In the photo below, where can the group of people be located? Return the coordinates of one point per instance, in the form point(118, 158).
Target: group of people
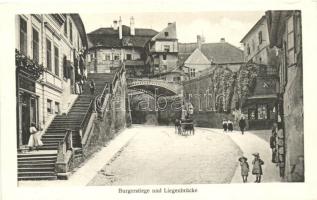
point(227, 125)
point(256, 170)
point(277, 146)
point(79, 86)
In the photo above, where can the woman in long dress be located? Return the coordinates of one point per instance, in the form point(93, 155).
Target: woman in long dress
point(35, 138)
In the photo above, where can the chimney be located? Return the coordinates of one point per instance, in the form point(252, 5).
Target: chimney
point(115, 25)
point(222, 40)
point(132, 29)
point(120, 28)
point(199, 41)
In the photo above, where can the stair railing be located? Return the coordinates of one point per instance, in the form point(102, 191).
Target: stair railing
point(64, 154)
point(84, 123)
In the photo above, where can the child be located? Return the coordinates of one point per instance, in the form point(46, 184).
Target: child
point(244, 168)
point(224, 125)
point(257, 167)
point(230, 125)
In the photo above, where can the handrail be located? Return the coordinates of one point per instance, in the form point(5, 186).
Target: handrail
point(85, 121)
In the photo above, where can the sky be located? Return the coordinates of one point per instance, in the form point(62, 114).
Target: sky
point(231, 25)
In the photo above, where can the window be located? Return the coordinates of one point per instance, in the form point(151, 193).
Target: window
point(192, 72)
point(65, 71)
point(164, 56)
point(23, 36)
point(57, 108)
point(164, 67)
point(49, 106)
point(65, 28)
point(116, 57)
point(248, 49)
point(129, 57)
point(166, 34)
point(35, 44)
point(251, 114)
point(176, 79)
point(260, 37)
point(48, 55)
point(56, 60)
point(71, 32)
point(166, 48)
point(107, 56)
point(262, 111)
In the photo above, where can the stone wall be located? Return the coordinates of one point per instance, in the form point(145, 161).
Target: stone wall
point(293, 123)
point(116, 117)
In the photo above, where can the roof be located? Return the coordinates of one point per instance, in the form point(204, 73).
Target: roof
point(108, 37)
point(81, 28)
point(253, 28)
point(218, 53)
point(171, 33)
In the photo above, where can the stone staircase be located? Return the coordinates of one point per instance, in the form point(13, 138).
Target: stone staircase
point(40, 165)
point(36, 166)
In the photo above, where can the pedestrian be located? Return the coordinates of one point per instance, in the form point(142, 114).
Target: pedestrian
point(280, 145)
point(244, 168)
point(257, 167)
point(242, 125)
point(35, 138)
point(92, 87)
point(230, 125)
point(224, 125)
point(273, 144)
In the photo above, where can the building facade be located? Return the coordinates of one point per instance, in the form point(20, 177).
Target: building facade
point(49, 60)
point(286, 35)
point(198, 58)
point(162, 51)
point(110, 47)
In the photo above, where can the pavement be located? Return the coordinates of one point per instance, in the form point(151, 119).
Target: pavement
point(157, 155)
point(250, 143)
point(133, 157)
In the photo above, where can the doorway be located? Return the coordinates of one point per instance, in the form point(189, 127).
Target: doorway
point(28, 115)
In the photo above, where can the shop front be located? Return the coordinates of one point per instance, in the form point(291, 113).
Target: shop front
point(261, 111)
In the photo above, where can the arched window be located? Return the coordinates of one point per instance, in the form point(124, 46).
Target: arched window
point(219, 104)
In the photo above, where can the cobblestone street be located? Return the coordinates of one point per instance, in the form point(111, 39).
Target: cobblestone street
point(156, 155)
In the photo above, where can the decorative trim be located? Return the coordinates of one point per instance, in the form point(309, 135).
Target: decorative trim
point(37, 17)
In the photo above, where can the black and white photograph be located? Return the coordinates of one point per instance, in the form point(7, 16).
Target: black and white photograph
point(133, 99)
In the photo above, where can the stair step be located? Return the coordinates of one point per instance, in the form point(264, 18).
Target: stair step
point(36, 158)
point(24, 174)
point(37, 178)
point(36, 165)
point(42, 169)
point(35, 155)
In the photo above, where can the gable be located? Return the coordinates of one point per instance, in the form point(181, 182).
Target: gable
point(171, 33)
point(197, 57)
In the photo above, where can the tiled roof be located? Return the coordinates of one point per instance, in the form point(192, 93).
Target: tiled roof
point(108, 37)
point(218, 53)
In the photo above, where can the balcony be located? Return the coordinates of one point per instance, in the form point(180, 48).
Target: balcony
point(134, 63)
point(27, 66)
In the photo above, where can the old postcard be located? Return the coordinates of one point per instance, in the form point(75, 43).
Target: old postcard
point(184, 103)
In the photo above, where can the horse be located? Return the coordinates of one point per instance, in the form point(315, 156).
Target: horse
point(188, 127)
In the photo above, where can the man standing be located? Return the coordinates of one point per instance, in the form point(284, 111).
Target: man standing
point(242, 125)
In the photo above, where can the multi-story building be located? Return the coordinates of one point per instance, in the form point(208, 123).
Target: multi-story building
point(198, 58)
point(162, 51)
point(261, 103)
point(49, 59)
point(256, 43)
point(286, 35)
point(111, 46)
